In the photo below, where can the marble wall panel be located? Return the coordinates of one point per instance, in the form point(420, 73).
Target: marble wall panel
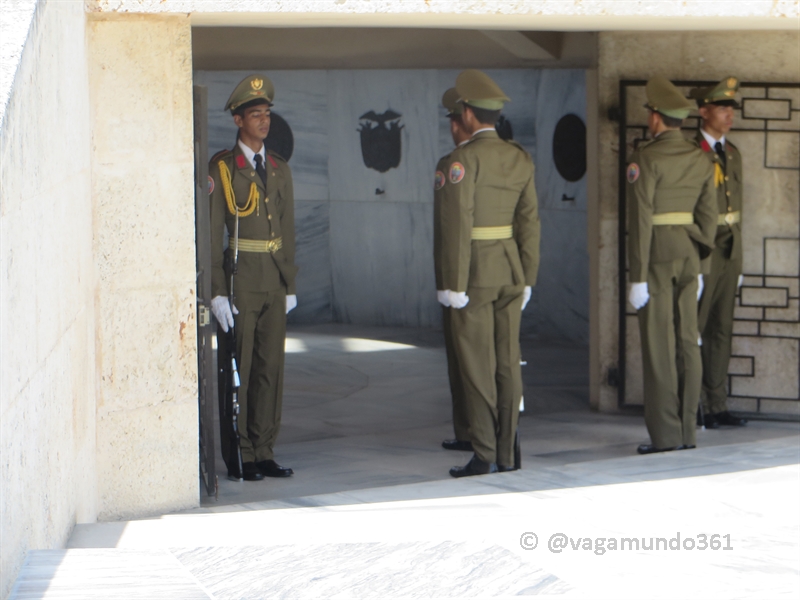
point(783, 150)
point(382, 264)
point(314, 284)
point(559, 307)
point(411, 93)
point(301, 99)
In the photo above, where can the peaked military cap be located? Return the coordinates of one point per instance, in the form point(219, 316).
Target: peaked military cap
point(721, 94)
point(254, 87)
point(451, 103)
point(665, 98)
point(476, 88)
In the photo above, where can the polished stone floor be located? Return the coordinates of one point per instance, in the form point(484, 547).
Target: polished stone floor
point(372, 513)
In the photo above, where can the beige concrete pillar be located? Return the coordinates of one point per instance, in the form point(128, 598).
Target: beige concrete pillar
point(140, 70)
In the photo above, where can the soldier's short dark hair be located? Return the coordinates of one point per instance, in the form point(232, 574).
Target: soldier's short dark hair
point(671, 122)
point(239, 110)
point(485, 116)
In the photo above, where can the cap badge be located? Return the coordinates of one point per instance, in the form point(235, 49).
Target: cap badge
point(731, 82)
point(633, 172)
point(456, 172)
point(257, 84)
point(439, 181)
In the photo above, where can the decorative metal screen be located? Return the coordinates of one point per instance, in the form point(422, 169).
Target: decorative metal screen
point(764, 373)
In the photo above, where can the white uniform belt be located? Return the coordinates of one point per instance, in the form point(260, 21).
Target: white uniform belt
point(502, 232)
point(673, 218)
point(730, 218)
point(268, 246)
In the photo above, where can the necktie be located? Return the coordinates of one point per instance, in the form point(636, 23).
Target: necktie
point(262, 172)
point(718, 148)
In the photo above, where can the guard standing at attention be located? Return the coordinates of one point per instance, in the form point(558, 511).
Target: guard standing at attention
point(486, 260)
point(460, 421)
point(256, 183)
point(724, 278)
point(672, 220)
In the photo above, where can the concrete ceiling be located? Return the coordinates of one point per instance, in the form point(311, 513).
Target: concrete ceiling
point(223, 48)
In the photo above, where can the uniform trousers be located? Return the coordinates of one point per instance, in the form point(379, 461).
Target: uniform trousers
point(671, 359)
point(460, 421)
point(715, 319)
point(486, 338)
point(260, 344)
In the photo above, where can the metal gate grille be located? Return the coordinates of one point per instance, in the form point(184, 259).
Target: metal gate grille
point(764, 373)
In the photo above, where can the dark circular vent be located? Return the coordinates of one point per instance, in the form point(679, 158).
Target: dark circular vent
point(280, 138)
point(569, 147)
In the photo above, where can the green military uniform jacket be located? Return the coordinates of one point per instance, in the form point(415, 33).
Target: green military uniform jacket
point(271, 219)
point(669, 175)
point(478, 185)
point(729, 184)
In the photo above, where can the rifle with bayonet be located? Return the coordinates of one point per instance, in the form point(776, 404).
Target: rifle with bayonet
point(229, 388)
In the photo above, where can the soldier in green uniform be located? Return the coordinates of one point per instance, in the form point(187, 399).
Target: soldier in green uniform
point(716, 105)
point(460, 421)
point(256, 183)
point(672, 220)
point(486, 260)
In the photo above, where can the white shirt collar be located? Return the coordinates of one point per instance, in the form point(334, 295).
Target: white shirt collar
point(462, 143)
point(483, 129)
point(251, 156)
point(711, 140)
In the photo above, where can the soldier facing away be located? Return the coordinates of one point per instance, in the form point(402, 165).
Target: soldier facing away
point(253, 186)
point(672, 220)
point(460, 420)
point(724, 278)
point(486, 258)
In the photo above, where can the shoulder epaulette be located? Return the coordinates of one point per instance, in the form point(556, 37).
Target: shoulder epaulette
point(222, 154)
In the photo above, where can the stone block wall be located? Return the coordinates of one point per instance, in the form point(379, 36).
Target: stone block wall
point(47, 351)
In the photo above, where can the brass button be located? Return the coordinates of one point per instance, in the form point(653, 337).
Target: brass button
point(252, 173)
point(726, 178)
point(266, 199)
point(273, 173)
point(269, 217)
point(728, 193)
point(273, 234)
point(729, 209)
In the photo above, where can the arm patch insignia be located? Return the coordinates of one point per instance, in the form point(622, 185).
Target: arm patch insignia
point(210, 185)
point(439, 181)
point(633, 172)
point(457, 172)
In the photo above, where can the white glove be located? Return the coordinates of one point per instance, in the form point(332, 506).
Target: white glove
point(699, 286)
point(291, 302)
point(222, 310)
point(639, 295)
point(443, 297)
point(526, 296)
point(458, 299)
point(740, 282)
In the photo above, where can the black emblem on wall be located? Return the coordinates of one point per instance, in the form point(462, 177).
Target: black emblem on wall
point(504, 130)
point(280, 138)
point(569, 147)
point(380, 140)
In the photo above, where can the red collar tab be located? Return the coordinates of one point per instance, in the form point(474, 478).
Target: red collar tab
point(704, 145)
point(241, 161)
point(272, 161)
